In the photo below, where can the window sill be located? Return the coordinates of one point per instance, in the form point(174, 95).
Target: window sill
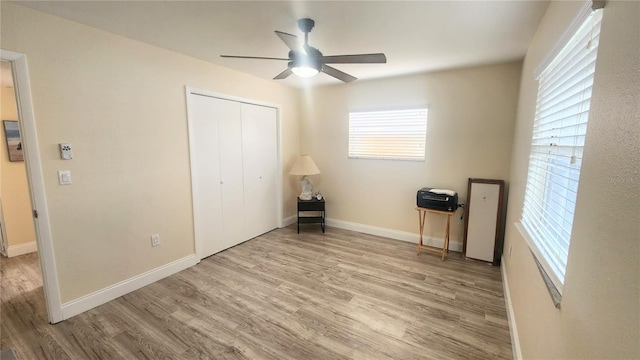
point(556, 296)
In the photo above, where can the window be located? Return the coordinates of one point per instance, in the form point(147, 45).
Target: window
point(396, 134)
point(559, 129)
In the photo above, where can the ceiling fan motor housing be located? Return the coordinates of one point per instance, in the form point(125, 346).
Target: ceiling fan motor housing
point(312, 58)
point(306, 25)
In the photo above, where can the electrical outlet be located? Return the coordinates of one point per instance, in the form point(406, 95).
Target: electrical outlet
point(155, 240)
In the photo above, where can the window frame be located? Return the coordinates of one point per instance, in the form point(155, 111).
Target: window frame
point(373, 135)
point(544, 175)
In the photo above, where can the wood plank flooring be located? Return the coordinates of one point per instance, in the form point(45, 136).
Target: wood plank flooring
point(338, 295)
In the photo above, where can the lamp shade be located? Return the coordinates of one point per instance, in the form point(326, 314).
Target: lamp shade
point(304, 166)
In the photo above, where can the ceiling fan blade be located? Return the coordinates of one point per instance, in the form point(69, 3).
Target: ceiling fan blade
point(252, 57)
point(338, 74)
point(291, 41)
point(378, 58)
point(283, 75)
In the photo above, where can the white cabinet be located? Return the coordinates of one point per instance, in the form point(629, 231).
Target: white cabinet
point(234, 171)
point(483, 236)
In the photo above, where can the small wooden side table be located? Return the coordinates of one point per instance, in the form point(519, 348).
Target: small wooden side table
point(422, 214)
point(311, 205)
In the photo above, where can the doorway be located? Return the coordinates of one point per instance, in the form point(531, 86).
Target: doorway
point(18, 230)
point(35, 181)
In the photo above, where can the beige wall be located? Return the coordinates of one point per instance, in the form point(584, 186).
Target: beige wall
point(470, 126)
point(599, 316)
point(14, 189)
point(121, 104)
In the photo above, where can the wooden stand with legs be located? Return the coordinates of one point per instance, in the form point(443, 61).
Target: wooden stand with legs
point(422, 214)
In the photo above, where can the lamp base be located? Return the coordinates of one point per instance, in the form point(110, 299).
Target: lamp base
point(307, 188)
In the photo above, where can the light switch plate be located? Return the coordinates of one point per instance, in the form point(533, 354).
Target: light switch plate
point(65, 151)
point(64, 177)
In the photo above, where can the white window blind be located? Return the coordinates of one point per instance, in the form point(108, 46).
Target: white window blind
point(396, 134)
point(559, 129)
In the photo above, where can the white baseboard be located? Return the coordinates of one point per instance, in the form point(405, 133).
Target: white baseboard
point(109, 293)
point(21, 249)
point(513, 330)
point(393, 234)
point(290, 220)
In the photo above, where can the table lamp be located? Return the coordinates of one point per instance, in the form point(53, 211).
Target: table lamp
point(305, 167)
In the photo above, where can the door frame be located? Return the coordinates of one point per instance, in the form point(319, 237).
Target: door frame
point(35, 179)
point(4, 245)
point(279, 191)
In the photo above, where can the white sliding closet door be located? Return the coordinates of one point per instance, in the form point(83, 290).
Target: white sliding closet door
point(205, 170)
point(260, 163)
point(234, 171)
point(230, 141)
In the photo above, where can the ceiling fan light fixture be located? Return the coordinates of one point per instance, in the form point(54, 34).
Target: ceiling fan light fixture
point(305, 71)
point(304, 67)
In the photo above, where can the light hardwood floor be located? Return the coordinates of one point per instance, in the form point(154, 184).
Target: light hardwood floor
point(338, 295)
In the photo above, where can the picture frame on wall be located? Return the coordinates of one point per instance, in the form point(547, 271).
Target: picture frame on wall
point(14, 142)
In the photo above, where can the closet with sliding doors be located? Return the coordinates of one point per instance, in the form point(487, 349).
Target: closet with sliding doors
point(235, 174)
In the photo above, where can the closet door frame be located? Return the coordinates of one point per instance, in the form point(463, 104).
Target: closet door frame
point(192, 91)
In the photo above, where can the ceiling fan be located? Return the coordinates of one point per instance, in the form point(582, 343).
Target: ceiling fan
point(307, 61)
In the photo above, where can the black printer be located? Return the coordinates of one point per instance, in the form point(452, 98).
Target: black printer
point(437, 199)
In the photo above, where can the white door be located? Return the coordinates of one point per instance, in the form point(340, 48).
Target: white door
point(230, 140)
point(234, 171)
point(260, 156)
point(483, 217)
point(205, 171)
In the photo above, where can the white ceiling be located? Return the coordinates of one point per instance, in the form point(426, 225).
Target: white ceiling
point(416, 36)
